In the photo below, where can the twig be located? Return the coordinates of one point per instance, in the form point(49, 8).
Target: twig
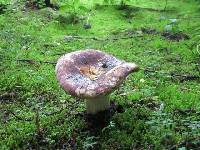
point(35, 61)
point(128, 37)
point(69, 38)
point(185, 77)
point(181, 77)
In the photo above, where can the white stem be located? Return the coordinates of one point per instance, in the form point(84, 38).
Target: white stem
point(97, 104)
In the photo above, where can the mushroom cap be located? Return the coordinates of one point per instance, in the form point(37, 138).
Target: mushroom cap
point(91, 73)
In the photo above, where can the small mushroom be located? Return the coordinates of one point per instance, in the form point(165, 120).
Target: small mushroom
point(92, 75)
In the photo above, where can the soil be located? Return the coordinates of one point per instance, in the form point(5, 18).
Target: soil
point(175, 36)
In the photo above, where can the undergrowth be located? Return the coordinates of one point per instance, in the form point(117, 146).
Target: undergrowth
point(160, 103)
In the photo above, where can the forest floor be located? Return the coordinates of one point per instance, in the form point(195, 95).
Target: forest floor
point(155, 108)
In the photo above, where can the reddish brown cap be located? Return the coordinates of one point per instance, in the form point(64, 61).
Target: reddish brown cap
point(91, 73)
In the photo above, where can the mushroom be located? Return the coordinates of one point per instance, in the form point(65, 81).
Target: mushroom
point(92, 75)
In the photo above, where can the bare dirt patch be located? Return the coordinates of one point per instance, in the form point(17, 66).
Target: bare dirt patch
point(175, 36)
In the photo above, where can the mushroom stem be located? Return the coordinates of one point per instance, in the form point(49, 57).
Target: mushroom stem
point(97, 104)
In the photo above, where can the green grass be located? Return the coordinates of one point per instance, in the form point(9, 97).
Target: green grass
point(161, 108)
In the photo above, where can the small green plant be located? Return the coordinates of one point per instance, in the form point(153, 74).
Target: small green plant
point(68, 18)
point(74, 10)
point(108, 2)
point(123, 4)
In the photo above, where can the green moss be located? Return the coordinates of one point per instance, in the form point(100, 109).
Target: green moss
point(161, 109)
